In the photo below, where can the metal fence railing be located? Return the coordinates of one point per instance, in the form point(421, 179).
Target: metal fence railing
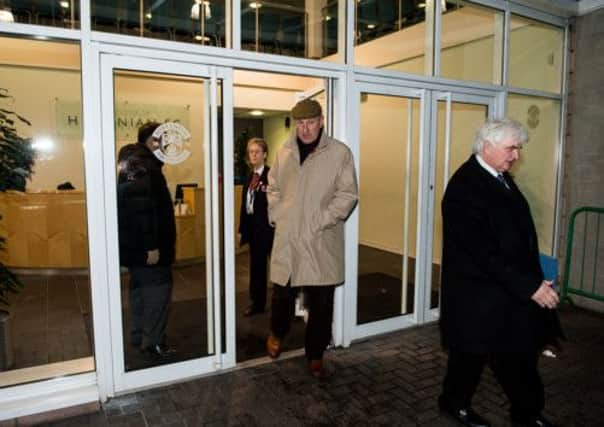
point(583, 272)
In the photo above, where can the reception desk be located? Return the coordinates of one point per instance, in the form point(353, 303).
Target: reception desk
point(49, 230)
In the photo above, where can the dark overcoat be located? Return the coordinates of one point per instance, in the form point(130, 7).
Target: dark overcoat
point(490, 267)
point(145, 211)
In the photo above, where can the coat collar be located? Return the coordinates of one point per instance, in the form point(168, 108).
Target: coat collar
point(292, 144)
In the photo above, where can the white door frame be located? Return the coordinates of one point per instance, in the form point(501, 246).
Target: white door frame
point(352, 331)
point(121, 380)
point(429, 98)
point(493, 104)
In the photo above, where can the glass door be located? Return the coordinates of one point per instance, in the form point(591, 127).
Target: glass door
point(389, 158)
point(167, 146)
point(456, 118)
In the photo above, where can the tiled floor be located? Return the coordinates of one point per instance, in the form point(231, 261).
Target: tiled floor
point(51, 318)
point(392, 380)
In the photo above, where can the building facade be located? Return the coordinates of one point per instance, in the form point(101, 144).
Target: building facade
point(404, 83)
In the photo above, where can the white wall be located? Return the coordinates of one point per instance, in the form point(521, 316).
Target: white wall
point(383, 173)
point(275, 134)
point(36, 91)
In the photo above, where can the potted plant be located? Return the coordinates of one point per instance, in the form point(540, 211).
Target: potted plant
point(16, 167)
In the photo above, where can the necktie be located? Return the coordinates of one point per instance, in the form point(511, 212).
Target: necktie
point(255, 182)
point(501, 179)
point(251, 192)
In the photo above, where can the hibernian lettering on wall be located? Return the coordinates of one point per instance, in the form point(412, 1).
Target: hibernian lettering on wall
point(128, 118)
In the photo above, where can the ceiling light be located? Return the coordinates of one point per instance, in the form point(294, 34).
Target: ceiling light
point(328, 18)
point(196, 9)
point(255, 5)
point(256, 113)
point(370, 26)
point(6, 16)
point(421, 5)
point(64, 4)
point(148, 15)
point(202, 38)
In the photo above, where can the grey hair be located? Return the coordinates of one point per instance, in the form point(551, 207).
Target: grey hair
point(496, 130)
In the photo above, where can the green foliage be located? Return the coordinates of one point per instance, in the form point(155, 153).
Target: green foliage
point(17, 159)
point(16, 153)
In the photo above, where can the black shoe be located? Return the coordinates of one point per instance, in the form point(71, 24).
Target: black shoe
point(251, 311)
point(159, 351)
point(536, 421)
point(467, 417)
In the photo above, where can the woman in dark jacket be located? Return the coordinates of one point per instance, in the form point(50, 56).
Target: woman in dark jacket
point(254, 227)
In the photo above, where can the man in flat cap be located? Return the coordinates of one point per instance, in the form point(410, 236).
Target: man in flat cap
point(312, 190)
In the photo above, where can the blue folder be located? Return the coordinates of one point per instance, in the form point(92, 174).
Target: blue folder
point(549, 265)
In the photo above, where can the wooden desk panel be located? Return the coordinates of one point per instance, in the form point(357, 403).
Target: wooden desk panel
point(49, 230)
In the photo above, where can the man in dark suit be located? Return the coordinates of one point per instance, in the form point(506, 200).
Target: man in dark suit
point(147, 236)
point(495, 307)
point(254, 227)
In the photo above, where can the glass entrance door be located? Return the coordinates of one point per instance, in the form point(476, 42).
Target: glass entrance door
point(389, 153)
point(166, 127)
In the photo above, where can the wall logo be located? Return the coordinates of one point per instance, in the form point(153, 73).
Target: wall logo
point(174, 143)
point(532, 117)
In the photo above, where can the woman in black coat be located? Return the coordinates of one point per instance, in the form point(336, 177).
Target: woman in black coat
point(254, 228)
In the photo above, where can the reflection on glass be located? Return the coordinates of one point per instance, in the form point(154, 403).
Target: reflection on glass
point(390, 34)
point(307, 29)
point(471, 43)
point(536, 55)
point(199, 22)
point(465, 121)
point(48, 332)
point(536, 171)
point(388, 173)
point(53, 13)
point(164, 192)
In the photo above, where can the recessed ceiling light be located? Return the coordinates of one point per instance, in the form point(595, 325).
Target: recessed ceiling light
point(421, 5)
point(371, 26)
point(202, 38)
point(328, 18)
point(148, 15)
point(64, 4)
point(255, 5)
point(256, 113)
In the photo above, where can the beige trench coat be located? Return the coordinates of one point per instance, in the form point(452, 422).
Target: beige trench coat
point(308, 205)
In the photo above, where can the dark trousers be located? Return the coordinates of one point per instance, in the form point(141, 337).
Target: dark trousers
point(516, 373)
point(319, 302)
point(150, 297)
point(259, 254)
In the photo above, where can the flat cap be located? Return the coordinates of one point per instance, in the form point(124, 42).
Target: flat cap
point(306, 109)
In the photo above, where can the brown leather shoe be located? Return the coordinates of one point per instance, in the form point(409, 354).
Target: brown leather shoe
point(273, 346)
point(316, 368)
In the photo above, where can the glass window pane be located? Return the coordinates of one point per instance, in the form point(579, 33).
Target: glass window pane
point(536, 55)
point(306, 29)
point(388, 183)
point(471, 43)
point(200, 22)
point(536, 171)
point(53, 13)
point(391, 35)
point(44, 223)
point(465, 121)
